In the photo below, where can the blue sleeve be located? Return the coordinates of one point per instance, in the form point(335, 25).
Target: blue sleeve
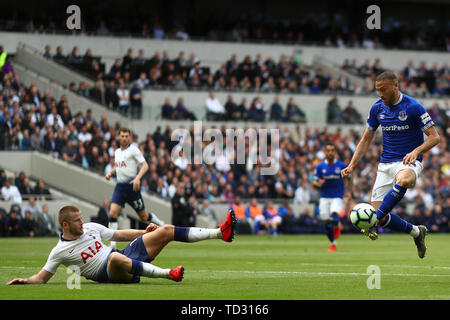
point(247, 212)
point(372, 120)
point(421, 116)
point(318, 173)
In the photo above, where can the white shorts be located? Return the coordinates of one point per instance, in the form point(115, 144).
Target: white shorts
point(386, 177)
point(275, 220)
point(327, 206)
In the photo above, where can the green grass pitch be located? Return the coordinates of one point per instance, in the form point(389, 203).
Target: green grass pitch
point(294, 267)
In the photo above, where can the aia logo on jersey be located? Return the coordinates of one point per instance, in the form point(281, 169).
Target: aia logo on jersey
point(121, 164)
point(86, 255)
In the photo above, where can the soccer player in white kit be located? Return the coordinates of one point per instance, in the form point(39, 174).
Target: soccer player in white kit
point(127, 159)
point(81, 245)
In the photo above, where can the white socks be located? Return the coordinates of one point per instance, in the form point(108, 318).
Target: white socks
point(151, 271)
point(198, 234)
point(155, 219)
point(114, 226)
point(415, 232)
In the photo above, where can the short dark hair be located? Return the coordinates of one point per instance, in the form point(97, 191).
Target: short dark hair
point(387, 75)
point(123, 129)
point(65, 213)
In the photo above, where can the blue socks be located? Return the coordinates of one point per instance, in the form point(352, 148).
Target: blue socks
point(136, 267)
point(181, 234)
point(394, 222)
point(390, 201)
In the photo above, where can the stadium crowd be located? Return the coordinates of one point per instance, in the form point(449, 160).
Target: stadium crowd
point(121, 88)
point(330, 29)
point(33, 120)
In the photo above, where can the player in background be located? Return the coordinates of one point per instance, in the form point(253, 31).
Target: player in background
point(81, 245)
point(329, 180)
point(127, 159)
point(272, 217)
point(403, 122)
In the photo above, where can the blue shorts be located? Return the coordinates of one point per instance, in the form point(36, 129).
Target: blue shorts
point(124, 193)
point(134, 250)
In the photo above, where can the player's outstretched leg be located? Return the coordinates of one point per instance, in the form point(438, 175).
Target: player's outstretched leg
point(113, 224)
point(420, 241)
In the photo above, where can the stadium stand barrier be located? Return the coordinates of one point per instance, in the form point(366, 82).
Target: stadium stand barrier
point(32, 59)
point(212, 53)
point(77, 103)
point(76, 181)
point(328, 66)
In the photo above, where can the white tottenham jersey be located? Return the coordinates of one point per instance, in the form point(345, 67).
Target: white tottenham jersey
point(87, 252)
point(126, 162)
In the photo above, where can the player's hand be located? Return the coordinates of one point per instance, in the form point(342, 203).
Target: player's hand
point(108, 176)
point(136, 184)
point(346, 171)
point(320, 182)
point(151, 227)
point(17, 281)
point(410, 158)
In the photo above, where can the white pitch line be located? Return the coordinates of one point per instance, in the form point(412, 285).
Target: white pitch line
point(323, 273)
point(364, 265)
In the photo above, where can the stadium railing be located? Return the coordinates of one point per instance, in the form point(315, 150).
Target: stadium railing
point(212, 53)
point(75, 181)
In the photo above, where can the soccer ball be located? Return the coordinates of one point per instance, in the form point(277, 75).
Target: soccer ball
point(363, 216)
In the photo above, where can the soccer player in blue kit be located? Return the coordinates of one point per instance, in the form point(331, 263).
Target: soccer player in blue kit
point(403, 121)
point(328, 179)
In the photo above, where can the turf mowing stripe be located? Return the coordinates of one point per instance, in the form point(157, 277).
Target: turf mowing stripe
point(324, 273)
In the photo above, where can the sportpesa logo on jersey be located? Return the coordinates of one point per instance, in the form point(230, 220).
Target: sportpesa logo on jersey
point(395, 128)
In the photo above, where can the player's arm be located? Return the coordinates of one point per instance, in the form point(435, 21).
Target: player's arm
point(39, 278)
point(432, 140)
point(361, 149)
point(110, 174)
point(131, 234)
point(136, 182)
point(318, 181)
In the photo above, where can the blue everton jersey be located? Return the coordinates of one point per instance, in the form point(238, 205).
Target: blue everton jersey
point(402, 126)
point(333, 187)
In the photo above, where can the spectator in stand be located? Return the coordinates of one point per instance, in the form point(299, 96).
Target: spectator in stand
point(28, 225)
point(95, 92)
point(31, 207)
point(3, 216)
point(41, 190)
point(136, 96)
point(214, 109)
point(13, 225)
point(59, 56)
point(102, 214)
point(124, 98)
point(276, 110)
point(208, 212)
point(167, 110)
point(182, 112)
point(111, 97)
point(45, 223)
point(47, 50)
point(350, 115)
point(10, 192)
point(294, 113)
point(68, 152)
point(333, 111)
point(26, 190)
point(257, 111)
